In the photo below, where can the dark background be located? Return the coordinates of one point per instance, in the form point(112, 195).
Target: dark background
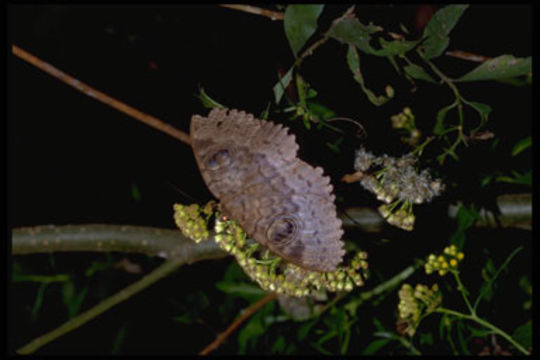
point(71, 159)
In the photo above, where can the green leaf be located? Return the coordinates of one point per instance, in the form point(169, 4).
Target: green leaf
point(250, 332)
point(39, 300)
point(378, 325)
point(96, 266)
point(72, 299)
point(281, 85)
point(517, 81)
point(319, 111)
point(327, 336)
point(504, 66)
point(279, 345)
point(335, 145)
point(439, 128)
point(244, 290)
point(207, 101)
point(254, 328)
point(118, 340)
point(461, 338)
point(302, 87)
point(438, 28)
point(466, 218)
point(304, 330)
point(518, 178)
point(426, 338)
point(353, 32)
point(374, 346)
point(183, 319)
point(488, 285)
point(483, 109)
point(320, 349)
point(135, 192)
point(354, 64)
point(418, 72)
point(300, 23)
point(523, 334)
point(522, 145)
point(480, 333)
point(396, 47)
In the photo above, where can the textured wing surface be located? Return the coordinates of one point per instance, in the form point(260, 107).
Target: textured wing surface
point(285, 204)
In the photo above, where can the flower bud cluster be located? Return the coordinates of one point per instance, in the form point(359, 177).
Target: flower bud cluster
point(445, 262)
point(414, 304)
point(405, 121)
point(397, 183)
point(191, 221)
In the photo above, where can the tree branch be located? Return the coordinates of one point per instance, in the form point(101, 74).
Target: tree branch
point(273, 15)
point(165, 243)
point(98, 95)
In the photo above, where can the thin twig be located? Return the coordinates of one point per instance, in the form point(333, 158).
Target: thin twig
point(160, 272)
point(467, 56)
point(245, 315)
point(324, 38)
point(273, 15)
point(98, 95)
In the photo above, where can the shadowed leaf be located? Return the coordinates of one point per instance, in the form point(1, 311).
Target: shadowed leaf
point(504, 66)
point(300, 23)
point(438, 28)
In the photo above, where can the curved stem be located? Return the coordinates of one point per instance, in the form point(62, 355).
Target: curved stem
point(463, 292)
point(485, 324)
point(108, 303)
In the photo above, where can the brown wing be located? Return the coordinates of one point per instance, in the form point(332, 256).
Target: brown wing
point(250, 165)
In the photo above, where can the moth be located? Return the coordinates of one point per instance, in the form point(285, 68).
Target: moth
point(282, 202)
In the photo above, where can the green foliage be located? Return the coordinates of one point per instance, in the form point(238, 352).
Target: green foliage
point(300, 23)
point(438, 28)
point(501, 67)
point(523, 334)
point(353, 32)
point(466, 218)
point(354, 64)
point(281, 85)
point(418, 72)
point(73, 298)
point(135, 192)
point(207, 101)
point(522, 145)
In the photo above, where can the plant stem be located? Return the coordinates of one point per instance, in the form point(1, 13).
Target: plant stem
point(486, 324)
point(463, 292)
point(164, 269)
point(488, 285)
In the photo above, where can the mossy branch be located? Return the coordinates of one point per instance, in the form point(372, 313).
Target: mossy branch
point(165, 243)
